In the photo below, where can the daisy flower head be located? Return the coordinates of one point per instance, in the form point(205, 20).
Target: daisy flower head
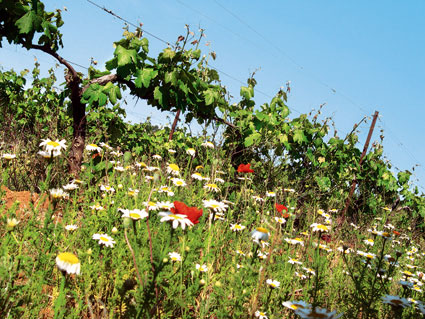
point(191, 152)
point(260, 233)
point(309, 271)
point(295, 241)
point(294, 305)
point(172, 151)
point(151, 205)
point(97, 207)
point(219, 180)
point(165, 205)
point(104, 239)
point(71, 227)
point(294, 261)
point(12, 222)
point(273, 283)
point(396, 301)
point(141, 165)
point(261, 315)
point(257, 198)
point(69, 263)
point(166, 189)
point(104, 145)
point(173, 169)
point(107, 188)
point(70, 186)
point(8, 157)
point(271, 194)
point(47, 155)
point(208, 144)
point(202, 268)
point(320, 228)
point(175, 256)
point(53, 147)
point(197, 176)
point(280, 220)
point(176, 219)
point(157, 157)
point(93, 148)
point(237, 227)
point(212, 187)
point(178, 182)
point(58, 193)
point(132, 192)
point(215, 205)
point(369, 242)
point(317, 313)
point(134, 214)
point(151, 168)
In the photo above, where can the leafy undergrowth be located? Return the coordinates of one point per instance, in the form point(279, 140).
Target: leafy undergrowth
point(166, 237)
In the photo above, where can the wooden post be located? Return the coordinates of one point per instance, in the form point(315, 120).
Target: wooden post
point(173, 128)
point(353, 185)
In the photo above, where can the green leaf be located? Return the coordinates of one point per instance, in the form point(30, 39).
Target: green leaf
point(299, 136)
point(145, 45)
point(209, 96)
point(252, 139)
point(247, 92)
point(29, 22)
point(125, 56)
point(168, 54)
point(196, 54)
point(157, 94)
point(113, 96)
point(171, 77)
point(144, 76)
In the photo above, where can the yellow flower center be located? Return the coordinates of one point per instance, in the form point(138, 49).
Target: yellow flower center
point(93, 145)
point(104, 239)
point(262, 230)
point(212, 185)
point(68, 258)
point(174, 167)
point(135, 215)
point(175, 216)
point(53, 143)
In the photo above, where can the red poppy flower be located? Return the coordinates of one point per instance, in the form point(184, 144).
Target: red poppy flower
point(245, 168)
point(192, 213)
point(280, 207)
point(286, 215)
point(95, 155)
point(396, 233)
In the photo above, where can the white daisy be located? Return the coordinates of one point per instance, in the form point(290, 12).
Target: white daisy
point(104, 239)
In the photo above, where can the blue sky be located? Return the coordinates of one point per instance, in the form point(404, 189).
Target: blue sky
point(355, 56)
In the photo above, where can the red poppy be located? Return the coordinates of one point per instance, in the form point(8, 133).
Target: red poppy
point(396, 233)
point(192, 213)
point(286, 215)
point(95, 155)
point(245, 168)
point(281, 207)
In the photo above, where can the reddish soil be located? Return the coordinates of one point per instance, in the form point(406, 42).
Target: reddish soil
point(24, 201)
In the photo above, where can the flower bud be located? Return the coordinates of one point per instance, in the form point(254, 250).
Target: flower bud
point(127, 222)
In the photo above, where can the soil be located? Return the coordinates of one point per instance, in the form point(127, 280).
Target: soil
point(24, 201)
